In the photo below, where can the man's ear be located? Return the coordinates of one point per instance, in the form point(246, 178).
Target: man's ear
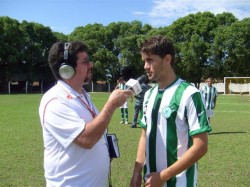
point(168, 58)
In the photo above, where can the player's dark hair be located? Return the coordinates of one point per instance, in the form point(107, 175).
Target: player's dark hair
point(158, 45)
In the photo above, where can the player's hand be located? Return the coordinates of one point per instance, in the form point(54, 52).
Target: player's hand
point(154, 180)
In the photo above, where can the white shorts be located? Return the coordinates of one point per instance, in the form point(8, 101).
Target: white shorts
point(125, 105)
point(210, 113)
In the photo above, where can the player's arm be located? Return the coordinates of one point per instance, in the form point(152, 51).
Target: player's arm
point(215, 98)
point(193, 154)
point(137, 174)
point(215, 101)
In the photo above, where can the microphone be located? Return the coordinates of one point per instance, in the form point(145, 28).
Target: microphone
point(135, 85)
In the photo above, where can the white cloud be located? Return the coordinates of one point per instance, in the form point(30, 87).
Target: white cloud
point(164, 12)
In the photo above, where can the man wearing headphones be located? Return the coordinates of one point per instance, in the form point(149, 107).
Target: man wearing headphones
point(75, 148)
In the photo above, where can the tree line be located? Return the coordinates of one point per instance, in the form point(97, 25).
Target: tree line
point(206, 45)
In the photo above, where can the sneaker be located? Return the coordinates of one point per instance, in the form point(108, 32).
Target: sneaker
point(133, 126)
point(122, 122)
point(126, 122)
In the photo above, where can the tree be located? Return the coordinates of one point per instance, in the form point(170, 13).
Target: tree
point(11, 46)
point(128, 45)
point(92, 34)
point(60, 36)
point(24, 51)
point(119, 41)
point(99, 41)
point(103, 70)
point(231, 49)
point(206, 45)
point(194, 36)
point(38, 40)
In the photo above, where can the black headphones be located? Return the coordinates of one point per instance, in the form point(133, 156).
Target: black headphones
point(66, 70)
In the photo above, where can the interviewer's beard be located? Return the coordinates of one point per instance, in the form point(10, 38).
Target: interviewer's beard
point(88, 78)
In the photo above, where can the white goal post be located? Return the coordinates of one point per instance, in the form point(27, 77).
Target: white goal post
point(236, 85)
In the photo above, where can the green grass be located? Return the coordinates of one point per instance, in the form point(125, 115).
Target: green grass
point(21, 147)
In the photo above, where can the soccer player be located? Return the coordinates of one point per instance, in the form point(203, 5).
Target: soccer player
point(210, 94)
point(174, 135)
point(139, 102)
point(124, 108)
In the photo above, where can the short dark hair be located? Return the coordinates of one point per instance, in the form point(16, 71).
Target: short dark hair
point(210, 78)
point(121, 79)
point(56, 55)
point(158, 45)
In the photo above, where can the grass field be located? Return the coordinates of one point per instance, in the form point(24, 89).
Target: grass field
point(21, 149)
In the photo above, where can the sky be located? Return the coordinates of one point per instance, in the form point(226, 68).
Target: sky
point(65, 15)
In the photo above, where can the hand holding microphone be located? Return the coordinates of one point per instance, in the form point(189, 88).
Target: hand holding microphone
point(118, 97)
point(135, 85)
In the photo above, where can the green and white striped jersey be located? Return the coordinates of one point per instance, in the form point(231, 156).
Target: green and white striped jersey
point(210, 94)
point(171, 117)
point(122, 86)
